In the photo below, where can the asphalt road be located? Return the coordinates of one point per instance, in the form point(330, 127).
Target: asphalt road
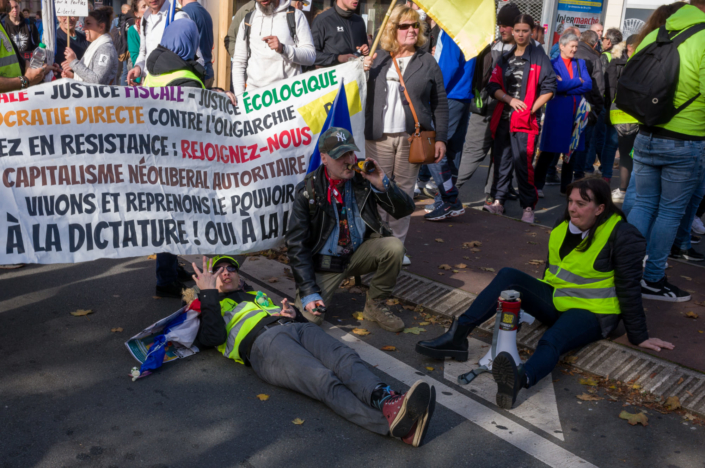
point(66, 399)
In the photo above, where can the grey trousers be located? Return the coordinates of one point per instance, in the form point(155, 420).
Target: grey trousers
point(304, 358)
point(478, 142)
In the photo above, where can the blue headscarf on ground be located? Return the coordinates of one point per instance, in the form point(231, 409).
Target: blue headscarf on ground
point(181, 37)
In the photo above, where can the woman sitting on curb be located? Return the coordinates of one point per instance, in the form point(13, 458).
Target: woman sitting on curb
point(591, 283)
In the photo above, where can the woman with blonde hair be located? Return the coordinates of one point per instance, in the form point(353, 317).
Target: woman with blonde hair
point(389, 119)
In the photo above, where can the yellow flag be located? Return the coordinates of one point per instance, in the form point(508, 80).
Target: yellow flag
point(315, 112)
point(471, 23)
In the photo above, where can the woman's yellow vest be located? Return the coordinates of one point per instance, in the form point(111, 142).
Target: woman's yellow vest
point(160, 81)
point(577, 284)
point(240, 319)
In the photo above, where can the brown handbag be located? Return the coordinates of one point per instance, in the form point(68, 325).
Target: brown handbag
point(422, 145)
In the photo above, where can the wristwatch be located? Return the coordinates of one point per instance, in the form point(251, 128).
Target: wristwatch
point(24, 82)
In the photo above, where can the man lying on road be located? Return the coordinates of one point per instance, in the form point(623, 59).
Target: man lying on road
point(287, 351)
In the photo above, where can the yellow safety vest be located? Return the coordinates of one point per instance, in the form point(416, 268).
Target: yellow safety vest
point(160, 81)
point(618, 117)
point(241, 318)
point(9, 66)
point(577, 284)
point(609, 56)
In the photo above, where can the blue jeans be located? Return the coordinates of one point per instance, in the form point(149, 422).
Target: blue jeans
point(629, 197)
point(609, 151)
point(167, 265)
point(445, 173)
point(568, 330)
point(593, 147)
point(683, 235)
point(666, 175)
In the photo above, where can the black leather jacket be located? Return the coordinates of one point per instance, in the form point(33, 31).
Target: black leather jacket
point(309, 229)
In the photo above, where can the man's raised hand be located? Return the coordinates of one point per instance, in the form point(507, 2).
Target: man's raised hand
point(206, 279)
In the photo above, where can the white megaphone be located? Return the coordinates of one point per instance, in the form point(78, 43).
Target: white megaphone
point(504, 338)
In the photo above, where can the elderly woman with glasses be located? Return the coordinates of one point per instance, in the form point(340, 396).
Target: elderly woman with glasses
point(389, 120)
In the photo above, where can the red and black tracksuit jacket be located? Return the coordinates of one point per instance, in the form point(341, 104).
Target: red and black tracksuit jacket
point(539, 78)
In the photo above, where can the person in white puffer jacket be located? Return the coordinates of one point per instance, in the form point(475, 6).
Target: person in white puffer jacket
point(273, 54)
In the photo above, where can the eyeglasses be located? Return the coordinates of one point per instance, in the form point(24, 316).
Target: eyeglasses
point(230, 268)
point(406, 26)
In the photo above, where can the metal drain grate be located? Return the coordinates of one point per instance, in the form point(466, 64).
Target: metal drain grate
point(431, 295)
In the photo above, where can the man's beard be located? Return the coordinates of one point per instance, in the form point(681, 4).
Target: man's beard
point(268, 10)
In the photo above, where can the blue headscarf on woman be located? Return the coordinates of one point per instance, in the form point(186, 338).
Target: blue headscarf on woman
point(181, 37)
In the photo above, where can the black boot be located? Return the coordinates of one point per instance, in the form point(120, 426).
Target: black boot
point(453, 343)
point(509, 377)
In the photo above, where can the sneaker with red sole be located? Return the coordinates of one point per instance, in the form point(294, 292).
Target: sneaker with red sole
point(418, 432)
point(403, 410)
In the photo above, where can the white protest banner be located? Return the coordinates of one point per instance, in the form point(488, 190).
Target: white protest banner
point(71, 7)
point(92, 171)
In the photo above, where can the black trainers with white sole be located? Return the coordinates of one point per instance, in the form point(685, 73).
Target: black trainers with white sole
point(446, 210)
point(690, 254)
point(663, 291)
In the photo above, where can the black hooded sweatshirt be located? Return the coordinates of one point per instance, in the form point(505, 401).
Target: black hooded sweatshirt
point(162, 61)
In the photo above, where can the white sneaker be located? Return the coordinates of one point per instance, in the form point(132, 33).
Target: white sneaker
point(698, 227)
point(617, 195)
point(406, 262)
point(540, 192)
point(528, 215)
point(417, 190)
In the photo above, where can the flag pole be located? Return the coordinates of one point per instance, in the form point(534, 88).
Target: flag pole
point(381, 28)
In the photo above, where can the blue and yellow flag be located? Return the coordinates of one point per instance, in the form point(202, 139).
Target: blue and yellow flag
point(471, 23)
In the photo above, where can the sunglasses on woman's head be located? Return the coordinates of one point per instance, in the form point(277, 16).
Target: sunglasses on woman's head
point(406, 26)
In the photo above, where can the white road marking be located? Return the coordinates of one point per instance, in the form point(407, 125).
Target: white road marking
point(537, 405)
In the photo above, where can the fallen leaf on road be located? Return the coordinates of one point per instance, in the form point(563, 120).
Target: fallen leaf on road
point(424, 323)
point(590, 382)
point(634, 419)
point(466, 258)
point(461, 265)
point(152, 257)
point(116, 330)
point(439, 240)
point(360, 331)
point(418, 308)
point(691, 314)
point(388, 348)
point(81, 312)
point(672, 403)
point(687, 278)
point(701, 304)
point(429, 368)
point(456, 271)
point(689, 417)
point(263, 397)
point(680, 381)
point(414, 330)
point(358, 316)
point(471, 244)
point(408, 307)
point(570, 359)
point(445, 266)
point(487, 269)
point(391, 302)
point(536, 262)
point(588, 397)
point(636, 386)
point(440, 273)
point(298, 421)
point(156, 297)
point(273, 279)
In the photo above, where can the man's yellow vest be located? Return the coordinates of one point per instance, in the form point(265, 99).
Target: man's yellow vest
point(159, 81)
point(577, 284)
point(241, 318)
point(9, 66)
point(609, 56)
